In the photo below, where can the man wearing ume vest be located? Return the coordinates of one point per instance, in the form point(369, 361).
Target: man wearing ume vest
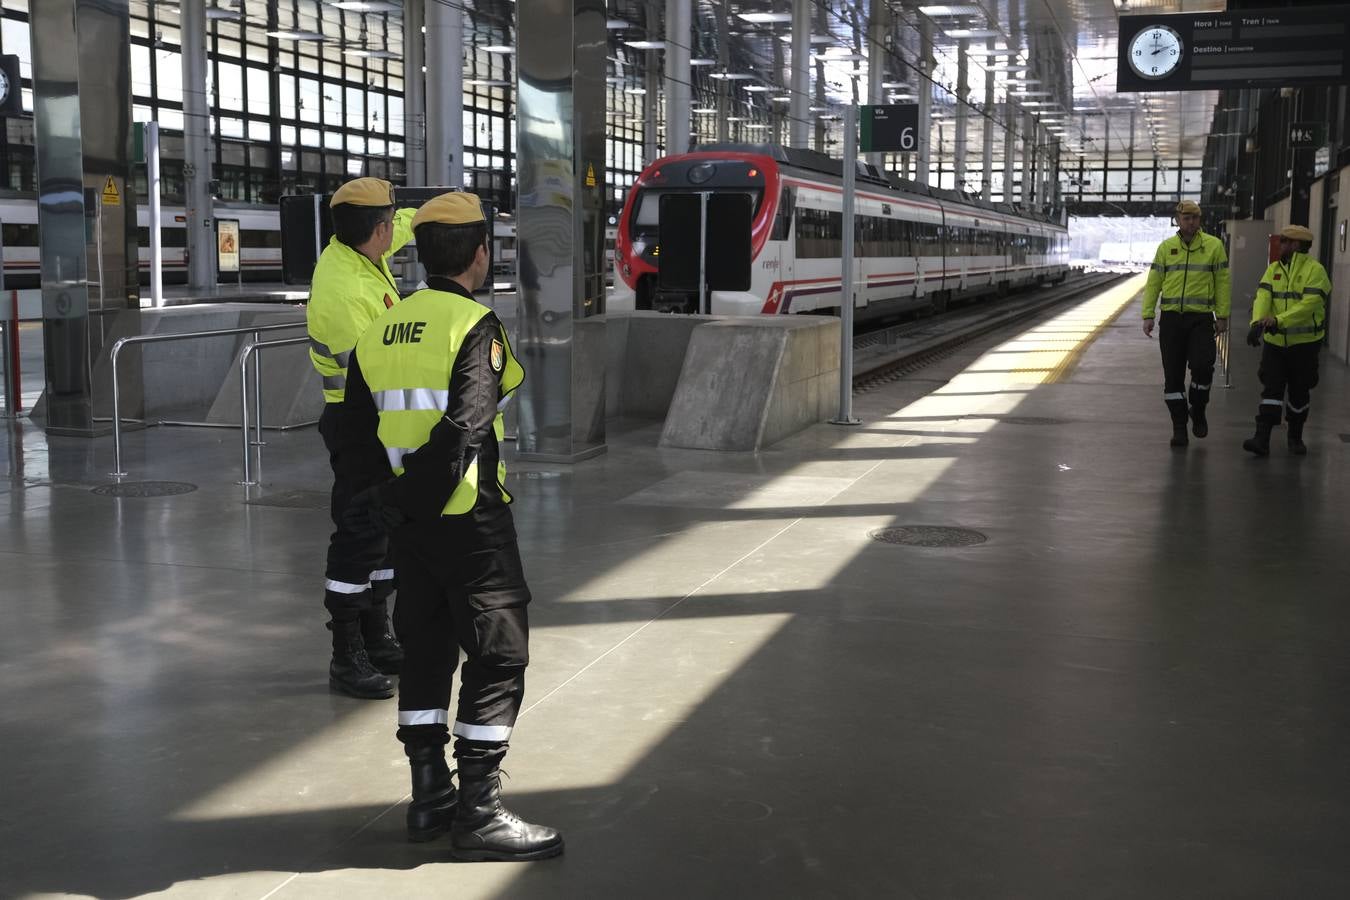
point(424, 390)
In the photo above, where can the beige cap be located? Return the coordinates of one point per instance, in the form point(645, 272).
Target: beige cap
point(1188, 207)
point(365, 192)
point(1296, 233)
point(454, 208)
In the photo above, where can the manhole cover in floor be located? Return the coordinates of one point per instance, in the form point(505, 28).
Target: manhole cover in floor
point(293, 500)
point(928, 536)
point(145, 489)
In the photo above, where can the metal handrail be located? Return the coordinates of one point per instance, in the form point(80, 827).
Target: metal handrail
point(249, 351)
point(1222, 342)
point(156, 338)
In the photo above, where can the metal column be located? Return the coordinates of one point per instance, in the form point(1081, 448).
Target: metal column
point(81, 53)
point(877, 26)
point(414, 93)
point(445, 94)
point(1028, 160)
point(799, 104)
point(925, 87)
point(560, 63)
point(679, 17)
point(962, 111)
point(987, 127)
point(651, 85)
point(197, 151)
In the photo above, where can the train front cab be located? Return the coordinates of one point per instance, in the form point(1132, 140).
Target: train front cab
point(637, 250)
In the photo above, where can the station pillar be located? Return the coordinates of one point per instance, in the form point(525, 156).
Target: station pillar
point(444, 85)
point(199, 215)
point(799, 82)
point(414, 90)
point(81, 52)
point(679, 18)
point(560, 219)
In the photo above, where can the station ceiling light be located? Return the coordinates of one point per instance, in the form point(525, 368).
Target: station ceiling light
point(703, 110)
point(730, 76)
point(960, 33)
point(498, 48)
point(954, 9)
point(781, 99)
point(758, 88)
point(297, 35)
point(756, 126)
point(487, 82)
point(818, 39)
point(369, 6)
point(219, 13)
point(635, 90)
point(702, 62)
point(617, 24)
point(764, 18)
point(646, 45)
point(372, 54)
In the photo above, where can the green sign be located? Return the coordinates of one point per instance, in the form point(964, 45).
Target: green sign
point(890, 129)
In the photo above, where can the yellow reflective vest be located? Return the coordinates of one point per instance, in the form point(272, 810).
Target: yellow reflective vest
point(1189, 277)
point(346, 294)
point(1296, 295)
point(407, 358)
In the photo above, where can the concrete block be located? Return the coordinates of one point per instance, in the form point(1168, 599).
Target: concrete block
point(747, 383)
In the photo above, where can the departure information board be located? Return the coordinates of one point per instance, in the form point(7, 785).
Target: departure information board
point(1284, 47)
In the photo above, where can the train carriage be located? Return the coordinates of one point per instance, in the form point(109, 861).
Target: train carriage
point(915, 247)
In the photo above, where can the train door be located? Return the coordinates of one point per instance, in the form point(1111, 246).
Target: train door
point(773, 270)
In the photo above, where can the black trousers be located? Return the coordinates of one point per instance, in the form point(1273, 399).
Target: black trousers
point(1287, 369)
point(1186, 339)
point(461, 588)
point(359, 570)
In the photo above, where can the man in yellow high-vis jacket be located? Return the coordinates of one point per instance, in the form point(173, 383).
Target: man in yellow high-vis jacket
point(425, 390)
point(1290, 310)
point(1189, 278)
point(351, 286)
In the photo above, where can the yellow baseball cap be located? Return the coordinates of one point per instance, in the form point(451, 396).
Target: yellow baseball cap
point(1188, 207)
point(453, 208)
point(1296, 233)
point(365, 192)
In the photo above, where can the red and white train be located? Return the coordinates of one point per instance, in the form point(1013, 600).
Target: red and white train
point(916, 247)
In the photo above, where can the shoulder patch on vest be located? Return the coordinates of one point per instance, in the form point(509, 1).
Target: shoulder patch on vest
point(497, 357)
point(1277, 276)
point(1174, 251)
point(388, 303)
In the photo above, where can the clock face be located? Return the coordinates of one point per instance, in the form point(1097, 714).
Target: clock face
point(4, 86)
point(1155, 52)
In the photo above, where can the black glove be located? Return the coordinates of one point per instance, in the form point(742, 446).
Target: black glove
point(1254, 335)
point(373, 510)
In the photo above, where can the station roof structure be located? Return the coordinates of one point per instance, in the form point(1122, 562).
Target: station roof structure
point(744, 44)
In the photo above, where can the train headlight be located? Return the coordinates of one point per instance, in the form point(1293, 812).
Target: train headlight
point(701, 173)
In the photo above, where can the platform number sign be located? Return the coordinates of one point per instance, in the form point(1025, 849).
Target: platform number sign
point(893, 128)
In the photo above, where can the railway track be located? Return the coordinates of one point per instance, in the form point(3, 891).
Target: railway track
point(890, 353)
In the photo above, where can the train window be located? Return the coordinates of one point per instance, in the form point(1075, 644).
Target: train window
point(782, 222)
point(17, 235)
point(819, 233)
point(648, 210)
point(255, 238)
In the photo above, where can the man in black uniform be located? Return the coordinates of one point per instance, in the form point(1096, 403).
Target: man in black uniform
point(423, 393)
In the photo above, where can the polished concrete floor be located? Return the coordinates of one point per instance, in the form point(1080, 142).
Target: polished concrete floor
point(1137, 686)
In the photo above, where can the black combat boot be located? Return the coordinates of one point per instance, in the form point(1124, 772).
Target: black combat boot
point(1179, 422)
point(484, 830)
point(350, 672)
point(433, 795)
point(1199, 424)
point(381, 646)
point(1259, 443)
point(1296, 445)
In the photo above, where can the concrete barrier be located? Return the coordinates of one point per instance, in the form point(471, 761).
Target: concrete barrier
point(747, 383)
point(645, 355)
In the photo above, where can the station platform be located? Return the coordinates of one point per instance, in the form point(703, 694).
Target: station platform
point(1108, 669)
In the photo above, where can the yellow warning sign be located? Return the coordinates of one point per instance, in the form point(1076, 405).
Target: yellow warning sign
point(590, 175)
point(110, 195)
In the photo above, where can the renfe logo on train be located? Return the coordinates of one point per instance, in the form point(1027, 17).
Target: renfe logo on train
point(404, 333)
